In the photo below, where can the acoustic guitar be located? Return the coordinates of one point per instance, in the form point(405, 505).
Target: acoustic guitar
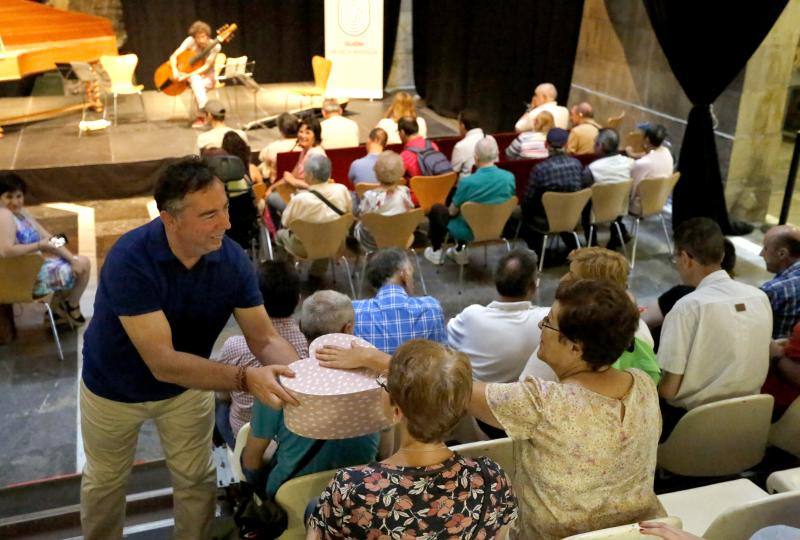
point(188, 62)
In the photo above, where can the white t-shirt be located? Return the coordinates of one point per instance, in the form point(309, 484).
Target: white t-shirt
point(339, 132)
point(213, 137)
point(269, 154)
point(390, 127)
point(464, 152)
point(616, 168)
point(498, 338)
point(718, 338)
point(560, 116)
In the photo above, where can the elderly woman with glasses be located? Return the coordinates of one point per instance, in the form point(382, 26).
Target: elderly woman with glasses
point(424, 489)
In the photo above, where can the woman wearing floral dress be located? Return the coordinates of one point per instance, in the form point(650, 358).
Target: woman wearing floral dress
point(424, 490)
point(20, 234)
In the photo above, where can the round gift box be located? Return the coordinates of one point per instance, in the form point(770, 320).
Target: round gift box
point(334, 403)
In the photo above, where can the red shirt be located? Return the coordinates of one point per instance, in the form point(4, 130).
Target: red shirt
point(410, 159)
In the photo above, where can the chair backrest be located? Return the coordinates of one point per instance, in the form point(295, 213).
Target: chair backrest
point(322, 70)
point(488, 220)
point(363, 187)
point(717, 439)
point(17, 277)
point(120, 68)
point(236, 456)
point(259, 190)
point(634, 139)
point(653, 193)
point(501, 451)
point(610, 199)
point(322, 240)
point(614, 122)
point(742, 521)
point(294, 496)
point(785, 433)
point(431, 190)
point(285, 190)
point(624, 532)
point(564, 209)
point(393, 231)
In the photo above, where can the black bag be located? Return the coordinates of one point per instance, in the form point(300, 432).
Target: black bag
point(431, 161)
point(261, 518)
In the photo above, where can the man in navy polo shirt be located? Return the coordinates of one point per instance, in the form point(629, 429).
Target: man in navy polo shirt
point(166, 291)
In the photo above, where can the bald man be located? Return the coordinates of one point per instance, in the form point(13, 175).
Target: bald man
point(584, 129)
point(544, 99)
point(781, 252)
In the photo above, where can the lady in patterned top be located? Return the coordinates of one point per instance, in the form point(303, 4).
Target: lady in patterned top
point(388, 199)
point(530, 144)
point(424, 490)
point(585, 446)
point(20, 234)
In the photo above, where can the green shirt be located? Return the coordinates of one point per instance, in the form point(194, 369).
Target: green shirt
point(488, 185)
point(642, 357)
point(334, 454)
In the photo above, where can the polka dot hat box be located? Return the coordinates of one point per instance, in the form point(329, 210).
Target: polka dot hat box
point(334, 403)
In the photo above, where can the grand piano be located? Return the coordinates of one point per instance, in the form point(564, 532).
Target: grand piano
point(34, 37)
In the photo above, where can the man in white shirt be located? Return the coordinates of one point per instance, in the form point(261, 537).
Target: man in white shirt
point(463, 158)
point(215, 116)
point(656, 163)
point(715, 340)
point(337, 131)
point(544, 99)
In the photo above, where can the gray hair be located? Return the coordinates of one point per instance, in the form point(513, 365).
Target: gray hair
point(486, 150)
point(547, 90)
point(325, 312)
point(331, 105)
point(317, 168)
point(389, 167)
point(385, 264)
point(607, 141)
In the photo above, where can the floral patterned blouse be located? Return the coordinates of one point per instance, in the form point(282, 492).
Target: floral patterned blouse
point(585, 461)
point(445, 501)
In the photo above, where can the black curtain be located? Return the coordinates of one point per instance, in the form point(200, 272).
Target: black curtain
point(707, 43)
point(489, 56)
point(281, 36)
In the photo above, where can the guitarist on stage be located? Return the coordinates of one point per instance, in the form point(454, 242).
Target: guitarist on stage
point(201, 79)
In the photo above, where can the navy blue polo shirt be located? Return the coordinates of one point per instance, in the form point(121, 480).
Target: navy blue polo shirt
point(142, 275)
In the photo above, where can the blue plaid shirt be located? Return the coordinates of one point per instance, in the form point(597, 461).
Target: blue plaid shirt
point(783, 292)
point(561, 173)
point(393, 317)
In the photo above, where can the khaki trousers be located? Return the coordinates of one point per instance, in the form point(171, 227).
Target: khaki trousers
point(110, 430)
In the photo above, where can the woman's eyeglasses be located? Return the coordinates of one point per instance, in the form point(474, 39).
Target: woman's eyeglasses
point(383, 381)
point(545, 323)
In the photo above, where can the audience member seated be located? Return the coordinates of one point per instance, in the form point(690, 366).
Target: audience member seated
point(781, 252)
point(314, 205)
point(488, 185)
point(715, 340)
point(287, 126)
point(215, 116)
point(544, 99)
point(585, 447)
point(280, 288)
point(584, 129)
point(241, 205)
point(402, 105)
point(389, 199)
point(610, 167)
point(362, 170)
point(324, 312)
point(413, 144)
point(337, 131)
point(424, 488)
point(463, 157)
point(233, 144)
point(532, 144)
point(559, 172)
point(783, 378)
point(656, 163)
point(654, 312)
point(394, 315)
point(62, 273)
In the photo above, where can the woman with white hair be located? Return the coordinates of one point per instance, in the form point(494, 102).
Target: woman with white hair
point(487, 185)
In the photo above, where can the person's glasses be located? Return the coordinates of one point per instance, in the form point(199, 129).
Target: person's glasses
point(545, 323)
point(383, 381)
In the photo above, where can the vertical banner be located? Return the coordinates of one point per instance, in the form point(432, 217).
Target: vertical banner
point(354, 45)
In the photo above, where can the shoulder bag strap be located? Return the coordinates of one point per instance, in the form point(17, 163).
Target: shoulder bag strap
point(487, 488)
point(308, 456)
point(326, 201)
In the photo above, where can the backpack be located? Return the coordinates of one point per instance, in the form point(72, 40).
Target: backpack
point(431, 161)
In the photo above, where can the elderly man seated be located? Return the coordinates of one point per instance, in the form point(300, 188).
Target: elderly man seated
point(324, 312)
point(584, 129)
point(337, 131)
point(544, 99)
point(394, 315)
point(323, 202)
point(488, 185)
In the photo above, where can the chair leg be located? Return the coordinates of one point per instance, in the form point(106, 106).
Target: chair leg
point(621, 241)
point(362, 277)
point(541, 259)
point(508, 244)
point(635, 242)
point(144, 109)
point(349, 277)
point(266, 241)
point(419, 271)
point(460, 277)
point(55, 331)
point(591, 235)
point(666, 233)
point(115, 109)
point(577, 239)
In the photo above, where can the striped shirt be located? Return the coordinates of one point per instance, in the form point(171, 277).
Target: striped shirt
point(528, 145)
point(235, 352)
point(783, 292)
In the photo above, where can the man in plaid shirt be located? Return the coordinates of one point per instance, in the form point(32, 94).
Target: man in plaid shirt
point(781, 252)
point(394, 316)
point(280, 287)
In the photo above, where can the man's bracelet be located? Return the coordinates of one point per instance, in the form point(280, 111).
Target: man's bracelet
point(241, 379)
